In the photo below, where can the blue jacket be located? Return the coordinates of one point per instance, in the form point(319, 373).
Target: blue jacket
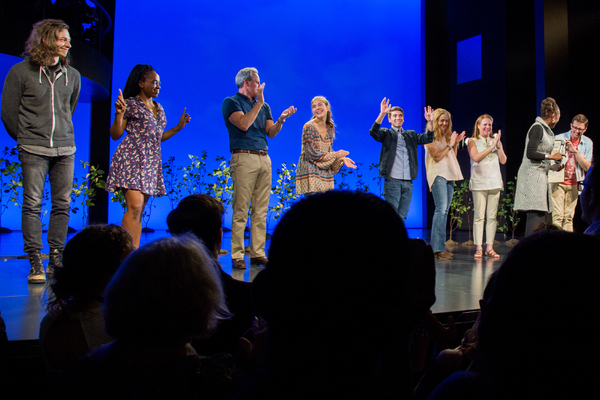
point(389, 141)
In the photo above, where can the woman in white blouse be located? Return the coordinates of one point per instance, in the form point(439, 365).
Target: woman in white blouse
point(442, 170)
point(486, 182)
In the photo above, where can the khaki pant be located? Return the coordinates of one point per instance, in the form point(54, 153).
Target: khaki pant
point(485, 200)
point(564, 200)
point(251, 175)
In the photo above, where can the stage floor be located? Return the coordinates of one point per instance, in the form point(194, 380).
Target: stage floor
point(459, 281)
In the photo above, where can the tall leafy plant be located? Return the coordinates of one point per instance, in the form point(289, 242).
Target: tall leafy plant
point(510, 217)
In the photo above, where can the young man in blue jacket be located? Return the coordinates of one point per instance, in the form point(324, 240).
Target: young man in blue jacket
point(38, 100)
point(398, 162)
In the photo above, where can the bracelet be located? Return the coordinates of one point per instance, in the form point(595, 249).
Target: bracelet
point(448, 146)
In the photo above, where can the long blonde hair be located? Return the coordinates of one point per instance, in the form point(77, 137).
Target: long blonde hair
point(329, 119)
point(476, 133)
point(438, 134)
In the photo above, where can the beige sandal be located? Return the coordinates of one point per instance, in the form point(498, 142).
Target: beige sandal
point(492, 253)
point(479, 253)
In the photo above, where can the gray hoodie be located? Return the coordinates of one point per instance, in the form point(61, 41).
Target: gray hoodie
point(36, 110)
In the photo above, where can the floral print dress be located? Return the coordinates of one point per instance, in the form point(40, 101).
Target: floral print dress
point(137, 162)
point(318, 162)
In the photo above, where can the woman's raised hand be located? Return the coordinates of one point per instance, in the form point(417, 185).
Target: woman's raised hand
point(120, 105)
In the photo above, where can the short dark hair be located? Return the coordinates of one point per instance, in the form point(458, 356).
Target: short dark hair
point(199, 214)
point(138, 74)
point(582, 119)
point(353, 253)
point(395, 108)
point(90, 259)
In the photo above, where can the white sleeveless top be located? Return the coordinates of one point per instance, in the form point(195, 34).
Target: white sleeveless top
point(485, 174)
point(447, 167)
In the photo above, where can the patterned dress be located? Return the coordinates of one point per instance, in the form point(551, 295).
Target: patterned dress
point(318, 162)
point(137, 162)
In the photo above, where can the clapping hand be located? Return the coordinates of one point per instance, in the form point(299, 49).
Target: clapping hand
point(496, 142)
point(287, 113)
point(349, 163)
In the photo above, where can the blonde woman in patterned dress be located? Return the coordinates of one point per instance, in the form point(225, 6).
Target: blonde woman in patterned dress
point(136, 166)
point(318, 162)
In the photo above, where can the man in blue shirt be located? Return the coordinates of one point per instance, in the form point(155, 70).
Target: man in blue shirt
point(398, 162)
point(248, 120)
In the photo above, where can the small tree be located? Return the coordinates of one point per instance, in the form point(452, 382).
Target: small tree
point(458, 206)
point(11, 179)
point(194, 174)
point(361, 186)
point(147, 214)
point(375, 166)
point(510, 217)
point(119, 197)
point(90, 181)
point(173, 185)
point(222, 188)
point(285, 190)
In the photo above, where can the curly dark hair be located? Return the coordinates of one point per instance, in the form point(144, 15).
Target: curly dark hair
point(90, 259)
point(138, 74)
point(548, 107)
point(41, 44)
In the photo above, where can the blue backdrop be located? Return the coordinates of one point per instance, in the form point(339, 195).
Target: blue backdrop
point(353, 52)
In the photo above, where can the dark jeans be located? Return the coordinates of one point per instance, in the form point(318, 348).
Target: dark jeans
point(60, 171)
point(398, 193)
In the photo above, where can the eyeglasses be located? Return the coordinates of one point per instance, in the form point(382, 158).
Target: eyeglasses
point(155, 82)
point(578, 129)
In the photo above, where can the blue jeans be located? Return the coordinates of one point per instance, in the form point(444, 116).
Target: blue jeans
point(398, 193)
point(442, 191)
point(60, 172)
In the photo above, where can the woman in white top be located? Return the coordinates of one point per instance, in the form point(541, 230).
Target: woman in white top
point(486, 182)
point(442, 170)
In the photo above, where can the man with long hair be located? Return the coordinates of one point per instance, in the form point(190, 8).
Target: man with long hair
point(38, 101)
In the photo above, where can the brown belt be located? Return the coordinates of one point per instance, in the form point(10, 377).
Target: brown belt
point(259, 152)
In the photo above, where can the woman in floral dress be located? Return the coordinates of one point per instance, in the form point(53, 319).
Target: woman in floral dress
point(136, 166)
point(318, 162)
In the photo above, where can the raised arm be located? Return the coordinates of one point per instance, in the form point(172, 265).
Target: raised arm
point(118, 126)
point(244, 121)
point(183, 121)
point(375, 130)
point(438, 155)
point(581, 160)
point(477, 156)
point(273, 129)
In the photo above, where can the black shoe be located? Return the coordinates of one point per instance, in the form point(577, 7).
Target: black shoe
point(36, 272)
point(54, 261)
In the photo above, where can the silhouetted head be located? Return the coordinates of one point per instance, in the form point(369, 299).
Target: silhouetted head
point(90, 259)
point(167, 291)
point(201, 215)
